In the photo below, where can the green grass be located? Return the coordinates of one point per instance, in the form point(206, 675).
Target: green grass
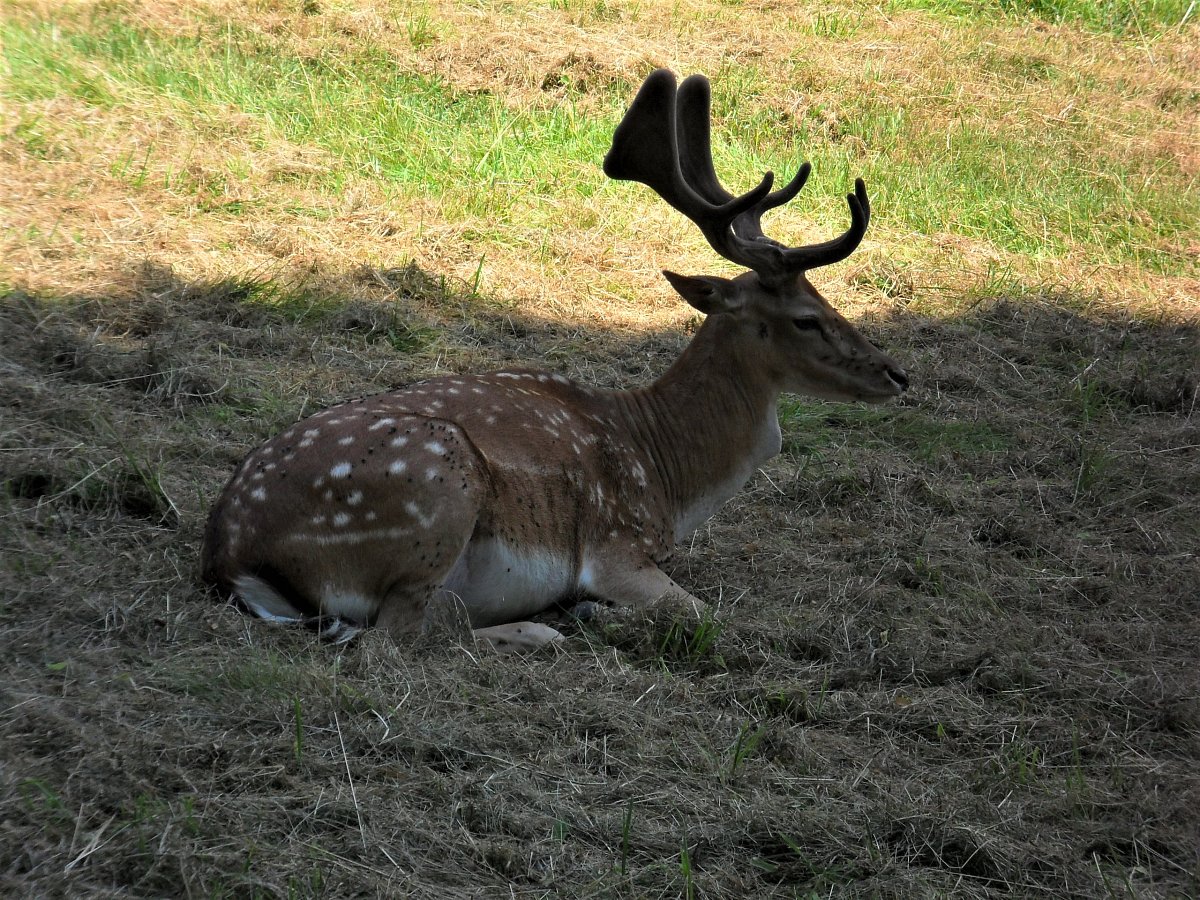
point(811, 429)
point(408, 131)
point(1039, 193)
point(749, 736)
point(1118, 17)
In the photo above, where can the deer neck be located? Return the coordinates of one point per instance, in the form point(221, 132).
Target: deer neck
point(707, 423)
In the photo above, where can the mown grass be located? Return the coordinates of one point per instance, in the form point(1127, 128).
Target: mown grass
point(953, 643)
point(1118, 17)
point(937, 162)
point(414, 134)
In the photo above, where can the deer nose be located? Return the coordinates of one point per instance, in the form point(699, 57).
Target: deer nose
point(898, 377)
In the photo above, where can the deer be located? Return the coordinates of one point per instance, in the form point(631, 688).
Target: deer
point(508, 494)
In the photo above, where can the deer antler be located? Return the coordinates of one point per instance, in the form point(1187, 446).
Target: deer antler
point(664, 143)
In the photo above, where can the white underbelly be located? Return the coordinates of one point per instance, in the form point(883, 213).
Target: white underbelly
point(499, 583)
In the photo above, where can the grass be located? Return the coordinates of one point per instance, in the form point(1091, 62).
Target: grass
point(1083, 182)
point(953, 642)
point(1118, 17)
point(409, 132)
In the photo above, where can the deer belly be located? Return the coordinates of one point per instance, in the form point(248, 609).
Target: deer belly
point(500, 583)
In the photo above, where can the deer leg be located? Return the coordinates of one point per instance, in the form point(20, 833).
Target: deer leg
point(641, 585)
point(429, 611)
point(402, 612)
point(517, 637)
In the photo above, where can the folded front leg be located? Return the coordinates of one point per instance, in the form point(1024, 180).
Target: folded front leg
point(517, 637)
point(639, 584)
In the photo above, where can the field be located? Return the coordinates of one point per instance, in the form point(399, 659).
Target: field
point(957, 642)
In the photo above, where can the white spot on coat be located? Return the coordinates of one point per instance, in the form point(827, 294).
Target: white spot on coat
point(417, 513)
point(341, 470)
point(354, 537)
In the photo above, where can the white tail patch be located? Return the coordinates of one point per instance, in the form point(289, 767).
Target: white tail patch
point(269, 605)
point(347, 605)
point(264, 601)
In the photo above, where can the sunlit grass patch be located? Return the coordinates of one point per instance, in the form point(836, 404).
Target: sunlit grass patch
point(937, 163)
point(1112, 16)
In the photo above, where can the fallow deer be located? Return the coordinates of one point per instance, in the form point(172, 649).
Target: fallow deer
point(511, 492)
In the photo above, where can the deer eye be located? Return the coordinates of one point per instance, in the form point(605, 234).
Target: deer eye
point(807, 324)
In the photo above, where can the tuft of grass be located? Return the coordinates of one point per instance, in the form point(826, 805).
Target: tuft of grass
point(692, 642)
point(795, 703)
point(686, 870)
point(626, 834)
point(298, 741)
point(744, 746)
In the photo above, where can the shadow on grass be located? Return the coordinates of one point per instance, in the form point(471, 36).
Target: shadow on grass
point(955, 645)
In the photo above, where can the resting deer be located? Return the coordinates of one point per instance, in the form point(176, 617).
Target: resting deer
point(512, 492)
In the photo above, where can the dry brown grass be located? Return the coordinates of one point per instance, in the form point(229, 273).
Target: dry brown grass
point(966, 667)
point(957, 642)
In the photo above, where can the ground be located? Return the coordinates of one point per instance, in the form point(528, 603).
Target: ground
point(954, 649)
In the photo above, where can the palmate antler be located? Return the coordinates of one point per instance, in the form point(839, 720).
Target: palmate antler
point(664, 143)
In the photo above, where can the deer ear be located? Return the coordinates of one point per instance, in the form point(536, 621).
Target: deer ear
point(707, 293)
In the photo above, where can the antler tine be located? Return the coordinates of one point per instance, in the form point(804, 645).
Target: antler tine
point(657, 146)
point(694, 133)
point(749, 226)
point(644, 147)
point(838, 248)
